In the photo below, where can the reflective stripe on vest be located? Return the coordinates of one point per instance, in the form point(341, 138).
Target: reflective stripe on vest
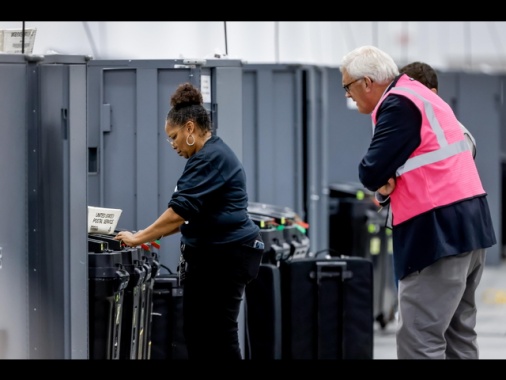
point(445, 150)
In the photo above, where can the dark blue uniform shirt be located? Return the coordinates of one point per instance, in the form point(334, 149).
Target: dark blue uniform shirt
point(211, 196)
point(445, 231)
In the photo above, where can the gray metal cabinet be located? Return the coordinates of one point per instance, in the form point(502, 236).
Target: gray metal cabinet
point(284, 117)
point(14, 113)
point(272, 123)
point(58, 254)
point(43, 252)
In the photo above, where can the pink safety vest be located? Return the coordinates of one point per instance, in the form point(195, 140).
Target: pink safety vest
point(441, 170)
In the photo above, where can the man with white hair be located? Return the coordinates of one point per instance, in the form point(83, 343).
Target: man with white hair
point(419, 157)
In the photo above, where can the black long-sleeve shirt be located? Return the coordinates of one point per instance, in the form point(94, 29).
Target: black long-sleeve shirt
point(211, 196)
point(445, 231)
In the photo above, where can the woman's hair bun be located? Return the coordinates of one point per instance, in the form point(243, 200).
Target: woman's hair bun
point(186, 95)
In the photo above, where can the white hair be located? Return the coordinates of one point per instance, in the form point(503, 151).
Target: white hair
point(369, 61)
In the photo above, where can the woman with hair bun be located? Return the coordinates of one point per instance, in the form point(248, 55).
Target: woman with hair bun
point(221, 246)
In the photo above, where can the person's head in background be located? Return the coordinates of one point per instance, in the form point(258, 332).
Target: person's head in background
point(426, 75)
point(423, 73)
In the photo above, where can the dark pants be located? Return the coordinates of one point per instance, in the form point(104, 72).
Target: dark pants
point(214, 287)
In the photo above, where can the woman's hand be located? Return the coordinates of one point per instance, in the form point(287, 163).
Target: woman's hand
point(167, 224)
point(127, 238)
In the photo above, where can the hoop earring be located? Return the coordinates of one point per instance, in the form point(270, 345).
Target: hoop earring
point(187, 143)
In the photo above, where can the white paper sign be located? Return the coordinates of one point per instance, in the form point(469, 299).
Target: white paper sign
point(11, 40)
point(205, 88)
point(103, 220)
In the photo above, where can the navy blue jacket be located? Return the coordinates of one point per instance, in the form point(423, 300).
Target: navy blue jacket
point(446, 231)
point(211, 197)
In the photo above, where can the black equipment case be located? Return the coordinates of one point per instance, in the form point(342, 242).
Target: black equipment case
point(327, 308)
point(263, 312)
point(167, 340)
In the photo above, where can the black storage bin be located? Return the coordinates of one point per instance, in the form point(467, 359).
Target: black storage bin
point(107, 281)
point(141, 320)
point(134, 296)
point(132, 303)
point(167, 339)
point(357, 227)
point(276, 248)
point(263, 312)
point(152, 266)
point(327, 308)
point(298, 241)
point(349, 204)
point(283, 233)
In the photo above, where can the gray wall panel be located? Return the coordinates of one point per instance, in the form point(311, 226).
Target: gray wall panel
point(349, 134)
point(479, 102)
point(148, 133)
point(273, 156)
point(93, 135)
point(58, 245)
point(249, 121)
point(502, 132)
point(502, 112)
point(14, 333)
point(48, 259)
point(285, 117)
point(226, 99)
point(77, 339)
point(316, 165)
point(448, 89)
point(119, 147)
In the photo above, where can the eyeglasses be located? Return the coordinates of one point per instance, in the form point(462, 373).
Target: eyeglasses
point(347, 86)
point(170, 140)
